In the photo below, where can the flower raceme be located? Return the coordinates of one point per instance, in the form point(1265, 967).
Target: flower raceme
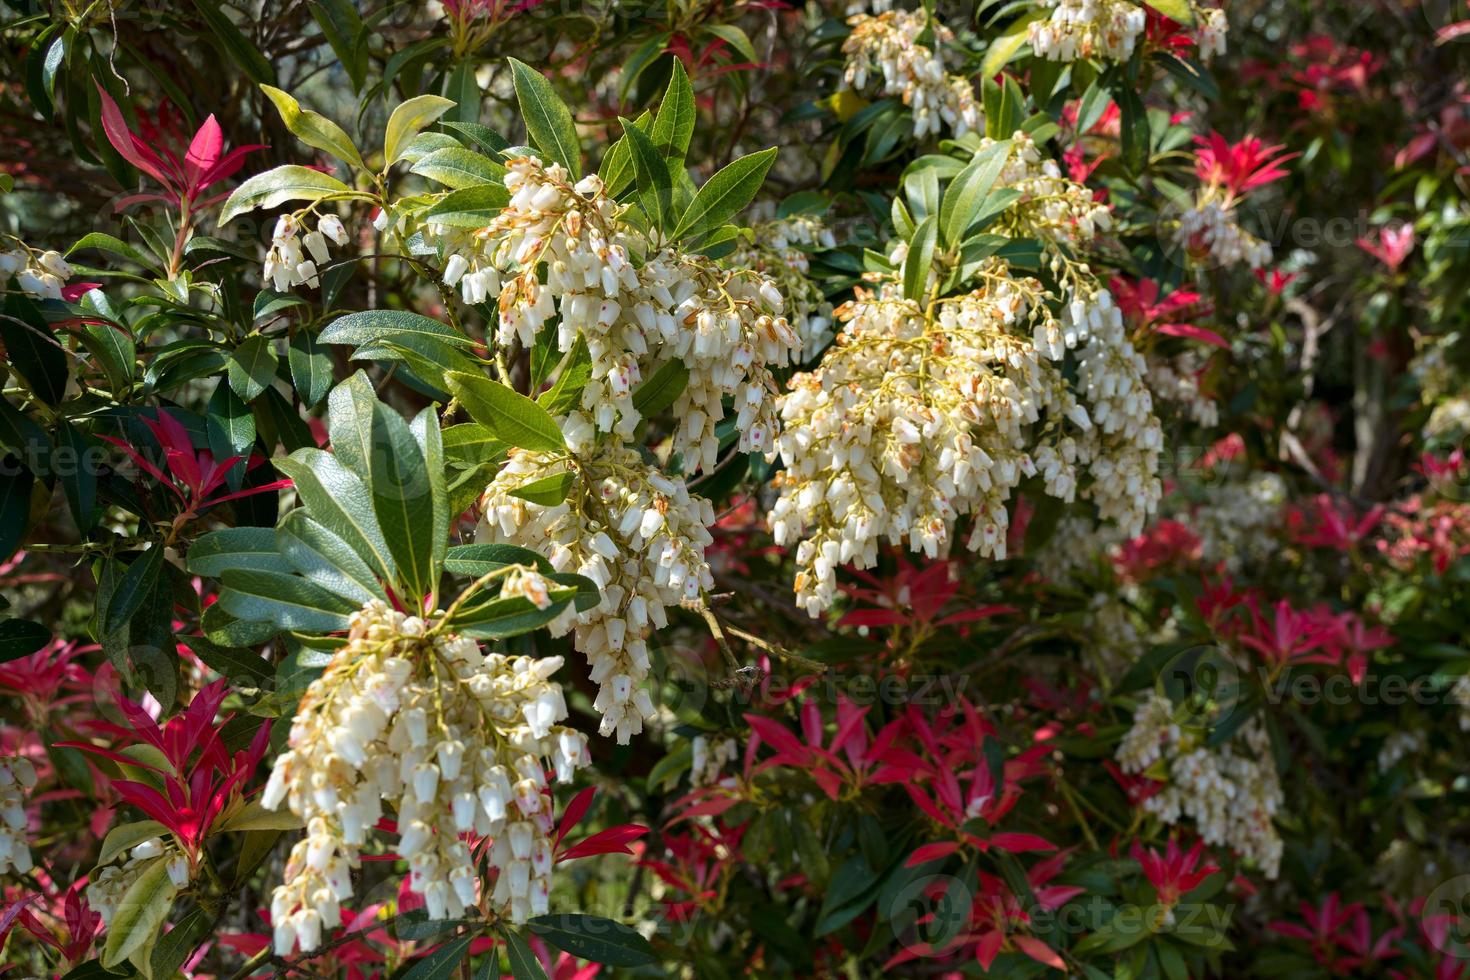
point(887, 45)
point(457, 741)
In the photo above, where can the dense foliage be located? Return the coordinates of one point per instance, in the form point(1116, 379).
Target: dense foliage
point(726, 489)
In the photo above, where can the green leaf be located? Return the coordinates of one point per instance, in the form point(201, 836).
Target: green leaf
point(239, 49)
point(572, 377)
point(324, 558)
point(253, 367)
point(126, 836)
point(736, 38)
point(673, 127)
point(1004, 48)
point(484, 137)
point(288, 183)
point(725, 194)
point(76, 470)
point(1179, 10)
point(547, 491)
point(236, 547)
point(32, 350)
point(135, 587)
point(920, 258)
point(346, 33)
point(655, 186)
point(458, 168)
point(311, 368)
point(253, 816)
point(337, 498)
point(113, 246)
point(140, 912)
point(523, 963)
point(315, 129)
point(1135, 129)
point(511, 416)
point(230, 427)
point(21, 638)
point(471, 443)
point(429, 436)
point(115, 352)
point(594, 938)
point(963, 197)
point(371, 438)
point(242, 668)
point(175, 946)
point(476, 560)
point(662, 389)
point(288, 602)
point(549, 123)
point(617, 165)
point(370, 326)
point(408, 120)
point(470, 207)
point(441, 963)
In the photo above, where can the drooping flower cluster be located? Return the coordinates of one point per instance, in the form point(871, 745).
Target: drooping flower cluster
point(1239, 520)
point(38, 276)
point(1231, 792)
point(456, 741)
point(634, 310)
point(708, 760)
point(17, 779)
point(286, 265)
point(1125, 441)
point(1088, 29)
point(910, 422)
point(1051, 208)
point(781, 250)
point(639, 534)
point(1177, 380)
point(1209, 232)
point(888, 45)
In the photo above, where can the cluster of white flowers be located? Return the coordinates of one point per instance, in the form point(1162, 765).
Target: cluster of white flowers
point(1238, 520)
point(909, 423)
point(1111, 638)
point(708, 762)
point(1123, 445)
point(887, 45)
point(634, 314)
point(1209, 233)
point(637, 533)
point(457, 742)
point(1088, 29)
point(17, 779)
point(781, 250)
point(1398, 745)
point(1177, 381)
point(1051, 208)
point(1077, 543)
point(286, 264)
point(1213, 31)
point(1231, 792)
point(38, 276)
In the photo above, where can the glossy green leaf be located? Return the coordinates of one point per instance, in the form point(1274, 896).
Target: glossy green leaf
point(314, 129)
point(594, 938)
point(275, 187)
point(725, 194)
point(140, 913)
point(549, 123)
point(408, 120)
point(511, 416)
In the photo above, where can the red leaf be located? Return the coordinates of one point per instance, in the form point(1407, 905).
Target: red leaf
point(1040, 952)
point(931, 851)
point(972, 615)
point(1194, 333)
point(575, 811)
point(205, 151)
point(873, 617)
point(128, 146)
point(1021, 842)
point(614, 840)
